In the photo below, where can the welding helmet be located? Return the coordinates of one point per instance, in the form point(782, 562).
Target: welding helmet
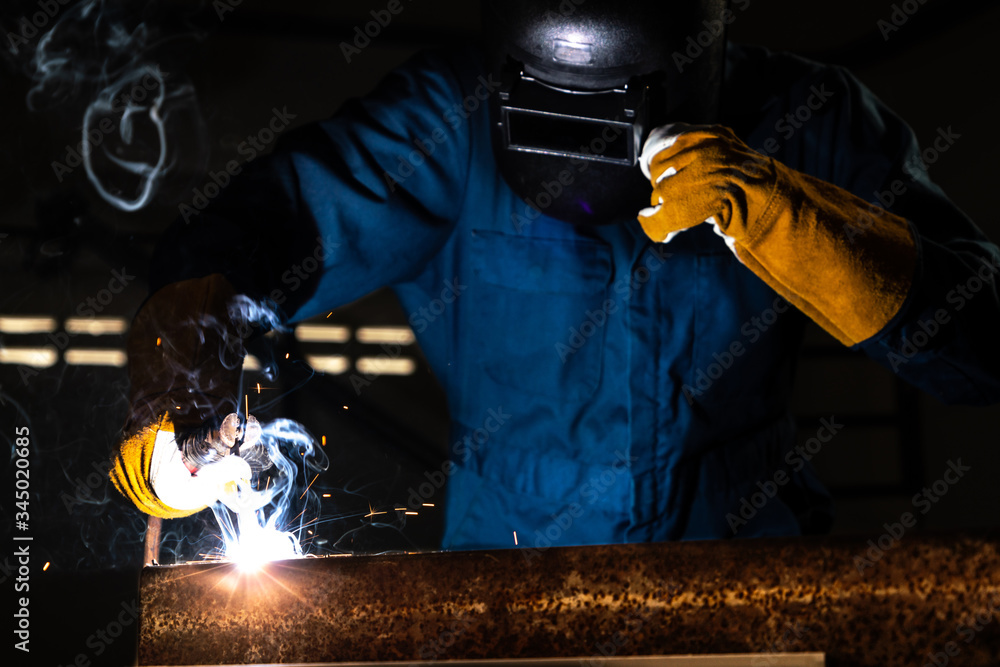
point(583, 82)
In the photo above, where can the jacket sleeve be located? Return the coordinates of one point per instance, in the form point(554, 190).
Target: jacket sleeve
point(943, 339)
point(340, 207)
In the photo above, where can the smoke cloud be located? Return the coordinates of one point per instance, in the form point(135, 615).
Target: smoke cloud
point(107, 59)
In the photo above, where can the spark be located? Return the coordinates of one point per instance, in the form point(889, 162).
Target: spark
point(515, 538)
point(346, 408)
point(326, 495)
point(310, 484)
point(46, 566)
point(286, 355)
point(158, 341)
point(258, 387)
point(323, 440)
point(428, 504)
point(400, 509)
point(329, 314)
point(413, 513)
point(372, 512)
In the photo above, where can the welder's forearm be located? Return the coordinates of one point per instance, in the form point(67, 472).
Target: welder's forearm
point(846, 264)
point(334, 212)
point(253, 234)
point(942, 341)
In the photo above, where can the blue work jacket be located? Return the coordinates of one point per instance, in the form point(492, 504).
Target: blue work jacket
point(602, 388)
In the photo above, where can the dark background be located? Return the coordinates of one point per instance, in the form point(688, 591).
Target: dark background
point(60, 243)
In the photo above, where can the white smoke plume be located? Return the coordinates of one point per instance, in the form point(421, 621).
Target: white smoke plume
point(103, 56)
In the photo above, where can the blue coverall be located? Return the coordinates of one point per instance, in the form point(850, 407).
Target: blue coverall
point(592, 385)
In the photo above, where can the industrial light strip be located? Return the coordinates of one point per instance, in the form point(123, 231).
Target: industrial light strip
point(385, 335)
point(332, 364)
point(102, 326)
point(10, 324)
point(80, 357)
point(96, 326)
point(322, 333)
point(46, 356)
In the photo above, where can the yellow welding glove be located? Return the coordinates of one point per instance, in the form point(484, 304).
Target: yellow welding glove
point(132, 464)
point(185, 357)
point(149, 469)
point(845, 263)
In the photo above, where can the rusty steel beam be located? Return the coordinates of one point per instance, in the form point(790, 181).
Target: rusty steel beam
point(923, 596)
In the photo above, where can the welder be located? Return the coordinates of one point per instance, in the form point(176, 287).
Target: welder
point(640, 231)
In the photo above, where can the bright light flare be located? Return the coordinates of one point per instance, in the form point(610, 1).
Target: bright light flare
point(258, 546)
point(255, 529)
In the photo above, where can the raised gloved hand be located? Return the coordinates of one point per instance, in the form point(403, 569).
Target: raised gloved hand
point(168, 479)
point(185, 359)
point(844, 263)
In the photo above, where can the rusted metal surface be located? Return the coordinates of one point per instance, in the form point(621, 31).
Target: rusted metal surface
point(922, 597)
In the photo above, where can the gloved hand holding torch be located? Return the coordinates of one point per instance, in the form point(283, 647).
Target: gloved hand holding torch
point(185, 359)
point(843, 262)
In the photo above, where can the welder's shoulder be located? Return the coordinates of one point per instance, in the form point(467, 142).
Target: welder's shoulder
point(461, 67)
point(757, 77)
